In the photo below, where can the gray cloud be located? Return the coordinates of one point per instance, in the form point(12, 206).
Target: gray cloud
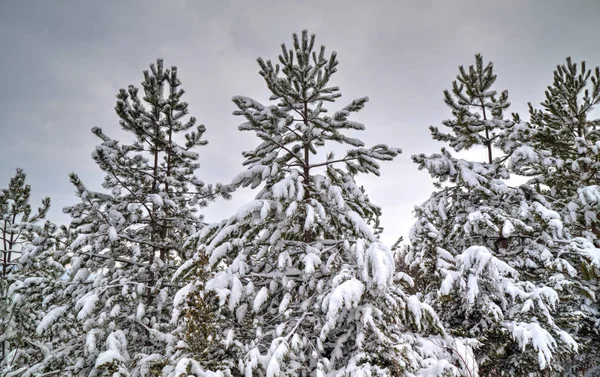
point(63, 62)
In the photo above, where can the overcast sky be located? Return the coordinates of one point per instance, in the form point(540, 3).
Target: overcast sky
point(64, 61)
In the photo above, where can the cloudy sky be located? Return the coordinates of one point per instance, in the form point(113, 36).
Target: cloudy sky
point(63, 62)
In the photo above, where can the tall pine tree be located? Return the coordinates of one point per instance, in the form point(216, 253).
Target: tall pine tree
point(558, 149)
point(114, 316)
point(305, 286)
point(17, 218)
point(29, 271)
point(486, 254)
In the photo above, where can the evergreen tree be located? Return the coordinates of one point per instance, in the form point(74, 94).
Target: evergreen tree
point(29, 268)
point(114, 316)
point(487, 255)
point(304, 285)
point(558, 149)
point(16, 221)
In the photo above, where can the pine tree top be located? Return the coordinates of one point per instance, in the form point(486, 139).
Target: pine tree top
point(477, 109)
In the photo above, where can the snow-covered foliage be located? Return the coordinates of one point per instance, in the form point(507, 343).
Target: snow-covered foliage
point(499, 279)
point(493, 260)
point(558, 150)
point(114, 315)
point(305, 287)
point(29, 274)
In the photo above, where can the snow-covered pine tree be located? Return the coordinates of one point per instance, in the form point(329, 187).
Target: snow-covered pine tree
point(28, 270)
point(484, 253)
point(114, 317)
point(304, 285)
point(34, 280)
point(16, 215)
point(559, 150)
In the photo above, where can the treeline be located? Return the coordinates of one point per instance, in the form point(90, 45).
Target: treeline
point(498, 279)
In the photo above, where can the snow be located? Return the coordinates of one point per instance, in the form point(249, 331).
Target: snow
point(346, 295)
point(50, 318)
point(281, 189)
point(274, 368)
point(108, 357)
point(249, 208)
point(380, 268)
point(537, 336)
point(589, 195)
point(185, 266)
point(86, 304)
point(229, 338)
point(264, 211)
point(236, 293)
point(311, 261)
point(335, 193)
point(285, 301)
point(116, 350)
point(479, 257)
point(507, 229)
point(218, 253)
point(291, 209)
point(112, 234)
point(260, 299)
point(140, 311)
point(414, 306)
point(90, 342)
point(359, 225)
point(310, 217)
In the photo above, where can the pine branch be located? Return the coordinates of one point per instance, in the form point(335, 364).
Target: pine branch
point(122, 260)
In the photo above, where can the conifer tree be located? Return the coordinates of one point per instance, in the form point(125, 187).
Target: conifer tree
point(29, 269)
point(305, 286)
point(558, 149)
point(485, 254)
point(114, 316)
point(16, 216)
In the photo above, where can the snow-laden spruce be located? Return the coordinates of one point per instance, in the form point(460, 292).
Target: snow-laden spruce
point(492, 259)
point(115, 315)
point(559, 150)
point(305, 287)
